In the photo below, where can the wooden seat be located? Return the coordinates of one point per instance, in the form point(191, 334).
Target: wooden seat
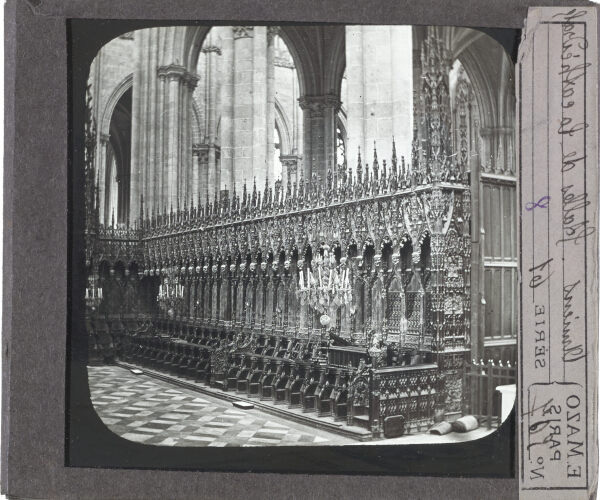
point(279, 388)
point(253, 378)
point(200, 370)
point(265, 384)
point(340, 405)
point(293, 393)
point(339, 396)
point(241, 382)
point(293, 388)
point(308, 390)
point(324, 405)
point(194, 358)
point(254, 383)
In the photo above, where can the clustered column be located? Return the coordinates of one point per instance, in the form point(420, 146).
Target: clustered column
point(227, 112)
point(260, 109)
point(272, 32)
point(162, 147)
point(320, 115)
point(243, 107)
point(102, 169)
point(379, 76)
point(290, 169)
point(247, 118)
point(212, 158)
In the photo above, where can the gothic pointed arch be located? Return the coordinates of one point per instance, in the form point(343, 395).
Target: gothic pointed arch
point(294, 38)
point(486, 63)
point(197, 135)
point(119, 156)
point(334, 72)
point(194, 38)
point(112, 101)
point(296, 43)
point(283, 124)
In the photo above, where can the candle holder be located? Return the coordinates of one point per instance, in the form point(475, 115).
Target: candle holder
point(93, 294)
point(326, 288)
point(327, 285)
point(170, 292)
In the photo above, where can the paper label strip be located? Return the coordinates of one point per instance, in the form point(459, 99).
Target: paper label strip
point(557, 113)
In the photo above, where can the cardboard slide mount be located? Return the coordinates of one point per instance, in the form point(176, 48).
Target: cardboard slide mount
point(36, 186)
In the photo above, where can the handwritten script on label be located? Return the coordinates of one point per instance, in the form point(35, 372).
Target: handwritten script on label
point(542, 203)
point(557, 191)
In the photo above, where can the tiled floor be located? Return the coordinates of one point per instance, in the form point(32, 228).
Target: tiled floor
point(147, 410)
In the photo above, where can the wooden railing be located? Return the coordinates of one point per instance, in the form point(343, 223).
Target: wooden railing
point(347, 355)
point(480, 397)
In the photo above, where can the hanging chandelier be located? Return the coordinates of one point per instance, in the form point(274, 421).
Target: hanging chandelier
point(170, 291)
point(93, 294)
point(327, 285)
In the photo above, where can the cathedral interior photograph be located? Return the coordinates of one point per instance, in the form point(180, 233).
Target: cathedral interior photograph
point(301, 235)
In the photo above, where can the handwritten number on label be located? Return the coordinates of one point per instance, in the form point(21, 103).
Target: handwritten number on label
point(542, 203)
point(537, 271)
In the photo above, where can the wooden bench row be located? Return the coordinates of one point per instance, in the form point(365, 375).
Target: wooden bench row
point(275, 370)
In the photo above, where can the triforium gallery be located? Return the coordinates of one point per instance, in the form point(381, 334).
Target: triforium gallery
point(314, 221)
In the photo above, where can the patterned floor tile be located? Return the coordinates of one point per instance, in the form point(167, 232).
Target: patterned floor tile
point(176, 428)
point(137, 423)
point(154, 412)
point(148, 429)
point(111, 421)
point(169, 442)
point(209, 430)
point(263, 440)
point(140, 438)
point(200, 438)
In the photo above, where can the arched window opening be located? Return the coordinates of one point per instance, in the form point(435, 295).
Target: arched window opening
point(119, 162)
point(206, 112)
point(288, 115)
point(277, 166)
point(340, 144)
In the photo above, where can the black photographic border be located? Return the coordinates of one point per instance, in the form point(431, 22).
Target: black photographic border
point(90, 443)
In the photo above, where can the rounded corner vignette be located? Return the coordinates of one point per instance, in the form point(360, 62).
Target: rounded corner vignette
point(291, 243)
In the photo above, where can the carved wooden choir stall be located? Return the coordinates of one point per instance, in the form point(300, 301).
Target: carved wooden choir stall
point(347, 296)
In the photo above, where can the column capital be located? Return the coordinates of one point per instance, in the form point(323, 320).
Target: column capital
point(191, 80)
point(104, 138)
point(175, 72)
point(317, 104)
point(290, 161)
point(172, 72)
point(272, 32)
point(201, 151)
point(282, 63)
point(211, 48)
point(243, 32)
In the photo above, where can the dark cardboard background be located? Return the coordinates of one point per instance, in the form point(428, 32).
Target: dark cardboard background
point(36, 250)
